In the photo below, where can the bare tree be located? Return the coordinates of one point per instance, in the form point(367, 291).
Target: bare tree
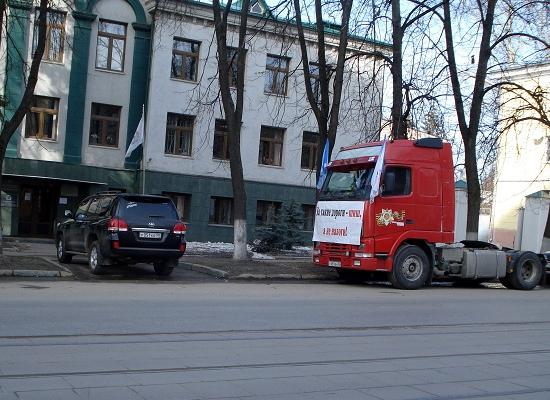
point(10, 126)
point(326, 107)
point(497, 28)
point(233, 110)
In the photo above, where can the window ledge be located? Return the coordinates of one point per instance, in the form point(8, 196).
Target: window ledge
point(35, 139)
point(221, 225)
point(98, 146)
point(179, 156)
point(271, 166)
point(276, 94)
point(53, 62)
point(184, 80)
point(110, 71)
point(222, 160)
point(308, 170)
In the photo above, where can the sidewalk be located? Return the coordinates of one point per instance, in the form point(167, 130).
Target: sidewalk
point(31, 259)
point(284, 268)
point(37, 258)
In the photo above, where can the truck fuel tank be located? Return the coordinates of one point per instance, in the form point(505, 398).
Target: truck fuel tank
point(483, 264)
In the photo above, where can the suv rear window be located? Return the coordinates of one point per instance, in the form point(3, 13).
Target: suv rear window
point(146, 207)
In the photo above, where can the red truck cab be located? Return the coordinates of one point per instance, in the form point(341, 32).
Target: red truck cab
point(415, 203)
point(388, 207)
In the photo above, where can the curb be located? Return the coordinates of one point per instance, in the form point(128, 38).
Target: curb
point(218, 273)
point(287, 277)
point(34, 273)
point(39, 273)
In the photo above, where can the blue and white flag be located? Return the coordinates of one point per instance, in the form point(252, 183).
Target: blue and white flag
point(324, 165)
point(377, 173)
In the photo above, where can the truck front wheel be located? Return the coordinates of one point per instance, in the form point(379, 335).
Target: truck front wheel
point(411, 268)
point(526, 272)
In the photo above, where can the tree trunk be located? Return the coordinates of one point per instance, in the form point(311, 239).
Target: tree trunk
point(474, 191)
point(233, 111)
point(398, 130)
point(239, 195)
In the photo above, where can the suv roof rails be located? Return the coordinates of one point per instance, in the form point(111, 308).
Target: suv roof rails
point(110, 192)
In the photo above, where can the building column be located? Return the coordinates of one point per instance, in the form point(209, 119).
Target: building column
point(139, 86)
point(77, 87)
point(16, 65)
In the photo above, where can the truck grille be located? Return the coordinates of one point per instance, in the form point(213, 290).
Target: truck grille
point(334, 248)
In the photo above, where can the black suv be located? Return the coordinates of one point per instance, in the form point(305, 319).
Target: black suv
point(123, 228)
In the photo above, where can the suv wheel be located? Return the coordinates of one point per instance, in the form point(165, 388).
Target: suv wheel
point(62, 256)
point(165, 267)
point(95, 258)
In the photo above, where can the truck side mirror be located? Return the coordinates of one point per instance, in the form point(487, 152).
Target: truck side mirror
point(68, 213)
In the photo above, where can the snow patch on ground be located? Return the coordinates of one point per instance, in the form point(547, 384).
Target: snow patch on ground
point(226, 249)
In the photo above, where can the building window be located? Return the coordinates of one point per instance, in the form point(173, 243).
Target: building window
point(232, 55)
point(309, 216)
point(309, 150)
point(266, 212)
point(276, 76)
point(256, 8)
point(397, 181)
point(182, 202)
point(271, 146)
point(221, 211)
point(55, 35)
point(221, 140)
point(104, 125)
point(314, 80)
point(42, 119)
point(111, 44)
point(185, 59)
point(179, 134)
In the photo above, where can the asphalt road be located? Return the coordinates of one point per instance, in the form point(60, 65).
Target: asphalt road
point(119, 340)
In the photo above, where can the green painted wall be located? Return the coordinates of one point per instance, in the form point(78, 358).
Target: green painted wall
point(139, 87)
point(50, 169)
point(202, 188)
point(77, 87)
point(16, 53)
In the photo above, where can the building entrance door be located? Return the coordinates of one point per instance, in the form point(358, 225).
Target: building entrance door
point(37, 209)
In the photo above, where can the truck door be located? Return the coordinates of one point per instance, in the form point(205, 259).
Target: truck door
point(394, 209)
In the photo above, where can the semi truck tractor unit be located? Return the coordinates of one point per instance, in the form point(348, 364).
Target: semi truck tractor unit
point(389, 208)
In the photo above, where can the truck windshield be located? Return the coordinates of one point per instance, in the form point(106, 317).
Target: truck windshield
point(347, 185)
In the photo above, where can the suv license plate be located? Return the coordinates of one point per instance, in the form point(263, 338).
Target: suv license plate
point(150, 235)
point(336, 264)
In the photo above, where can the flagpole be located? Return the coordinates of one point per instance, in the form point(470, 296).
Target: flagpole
point(144, 156)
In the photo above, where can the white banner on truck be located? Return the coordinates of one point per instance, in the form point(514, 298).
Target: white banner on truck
point(338, 222)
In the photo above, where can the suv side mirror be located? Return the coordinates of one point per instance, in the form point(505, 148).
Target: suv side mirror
point(68, 213)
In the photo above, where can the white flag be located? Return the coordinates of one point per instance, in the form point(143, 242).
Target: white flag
point(377, 174)
point(137, 139)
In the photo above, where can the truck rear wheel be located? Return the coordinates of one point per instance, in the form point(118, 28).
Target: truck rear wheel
point(526, 272)
point(411, 268)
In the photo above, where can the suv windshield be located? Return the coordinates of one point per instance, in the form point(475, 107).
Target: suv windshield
point(349, 185)
point(137, 208)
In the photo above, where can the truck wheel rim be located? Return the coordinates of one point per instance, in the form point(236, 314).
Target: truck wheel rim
point(412, 268)
point(60, 248)
point(527, 271)
point(93, 257)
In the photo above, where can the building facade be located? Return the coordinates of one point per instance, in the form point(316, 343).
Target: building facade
point(523, 169)
point(110, 63)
